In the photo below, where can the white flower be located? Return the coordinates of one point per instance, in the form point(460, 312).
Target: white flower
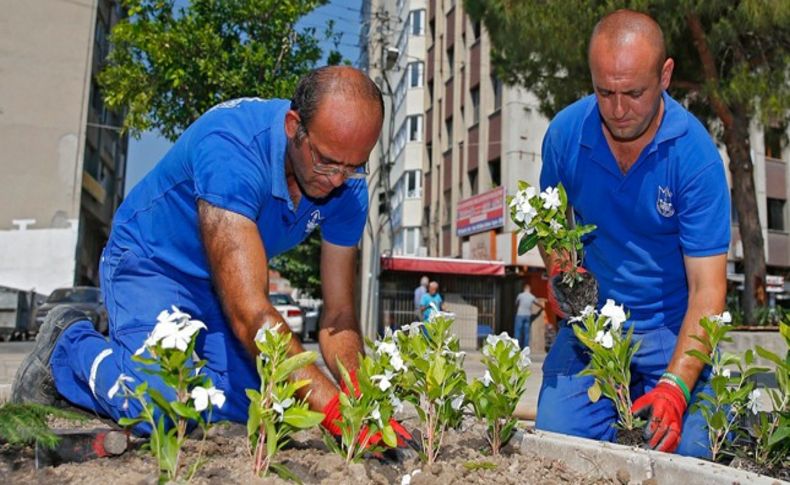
point(724, 318)
point(524, 361)
point(376, 414)
point(615, 313)
point(413, 329)
point(397, 404)
point(487, 379)
point(385, 380)
point(588, 310)
point(388, 348)
point(525, 214)
point(605, 339)
point(280, 406)
point(726, 373)
point(202, 396)
point(551, 198)
point(754, 401)
point(172, 331)
point(118, 384)
point(397, 363)
point(555, 226)
point(266, 329)
point(457, 402)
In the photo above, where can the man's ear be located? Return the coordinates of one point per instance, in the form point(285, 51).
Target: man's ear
point(292, 121)
point(666, 73)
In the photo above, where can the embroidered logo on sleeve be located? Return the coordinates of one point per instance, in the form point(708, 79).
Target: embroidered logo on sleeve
point(315, 221)
point(664, 202)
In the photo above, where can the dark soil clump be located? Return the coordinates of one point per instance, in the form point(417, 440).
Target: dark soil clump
point(574, 299)
point(632, 437)
point(744, 463)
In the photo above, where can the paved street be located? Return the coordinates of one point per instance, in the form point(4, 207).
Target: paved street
point(12, 353)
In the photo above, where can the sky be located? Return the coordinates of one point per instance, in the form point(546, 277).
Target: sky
point(150, 148)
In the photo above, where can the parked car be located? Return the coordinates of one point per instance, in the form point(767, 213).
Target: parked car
point(85, 298)
point(293, 315)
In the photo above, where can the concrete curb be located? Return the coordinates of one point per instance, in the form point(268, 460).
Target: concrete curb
point(613, 461)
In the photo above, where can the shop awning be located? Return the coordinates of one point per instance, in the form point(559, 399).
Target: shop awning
point(443, 265)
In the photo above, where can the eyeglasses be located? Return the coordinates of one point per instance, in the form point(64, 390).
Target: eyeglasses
point(323, 166)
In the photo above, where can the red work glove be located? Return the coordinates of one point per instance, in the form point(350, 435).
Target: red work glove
point(557, 298)
point(663, 408)
point(333, 417)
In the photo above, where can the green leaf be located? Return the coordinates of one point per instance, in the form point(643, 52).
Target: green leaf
point(594, 392)
point(528, 241)
point(293, 363)
point(185, 411)
point(302, 418)
point(285, 473)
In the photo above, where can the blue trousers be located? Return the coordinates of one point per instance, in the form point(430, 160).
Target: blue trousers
point(85, 364)
point(521, 329)
point(563, 405)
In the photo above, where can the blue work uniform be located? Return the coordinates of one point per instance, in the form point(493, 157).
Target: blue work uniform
point(432, 304)
point(232, 157)
point(673, 202)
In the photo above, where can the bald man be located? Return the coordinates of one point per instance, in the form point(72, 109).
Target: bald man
point(642, 169)
point(250, 179)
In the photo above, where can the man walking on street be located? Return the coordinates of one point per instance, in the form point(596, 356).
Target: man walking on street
point(523, 321)
point(418, 293)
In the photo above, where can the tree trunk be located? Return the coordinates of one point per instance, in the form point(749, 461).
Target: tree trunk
point(736, 138)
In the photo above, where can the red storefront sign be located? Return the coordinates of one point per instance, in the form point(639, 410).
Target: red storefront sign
point(481, 212)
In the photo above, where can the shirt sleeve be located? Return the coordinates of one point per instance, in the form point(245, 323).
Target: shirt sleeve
point(347, 221)
point(549, 171)
point(229, 175)
point(704, 213)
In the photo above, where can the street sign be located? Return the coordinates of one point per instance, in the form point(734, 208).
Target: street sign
point(481, 212)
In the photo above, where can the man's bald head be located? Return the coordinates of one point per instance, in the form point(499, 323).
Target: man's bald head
point(625, 28)
point(342, 81)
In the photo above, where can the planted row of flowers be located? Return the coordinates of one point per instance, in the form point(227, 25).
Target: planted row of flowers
point(420, 364)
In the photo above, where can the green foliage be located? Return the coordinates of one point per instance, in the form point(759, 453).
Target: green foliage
point(22, 424)
point(495, 396)
point(367, 410)
point(301, 265)
point(168, 65)
point(275, 412)
point(733, 393)
point(167, 354)
point(540, 217)
point(610, 353)
point(435, 380)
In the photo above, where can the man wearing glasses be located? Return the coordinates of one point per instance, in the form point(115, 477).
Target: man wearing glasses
point(248, 180)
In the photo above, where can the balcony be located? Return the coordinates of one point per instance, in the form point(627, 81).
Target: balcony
point(494, 135)
point(778, 249)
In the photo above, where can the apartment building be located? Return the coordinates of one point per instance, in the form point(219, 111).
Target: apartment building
point(63, 158)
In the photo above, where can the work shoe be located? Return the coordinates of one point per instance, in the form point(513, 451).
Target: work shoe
point(34, 382)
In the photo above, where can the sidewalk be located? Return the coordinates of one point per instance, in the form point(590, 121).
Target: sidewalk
point(11, 356)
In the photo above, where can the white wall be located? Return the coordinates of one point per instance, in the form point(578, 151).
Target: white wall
point(40, 259)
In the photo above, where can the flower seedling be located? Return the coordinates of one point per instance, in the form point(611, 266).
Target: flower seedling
point(366, 412)
point(610, 353)
point(170, 348)
point(275, 411)
point(733, 395)
point(435, 381)
point(495, 395)
point(540, 217)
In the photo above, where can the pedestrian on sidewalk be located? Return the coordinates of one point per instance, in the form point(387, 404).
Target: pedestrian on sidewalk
point(523, 322)
point(418, 293)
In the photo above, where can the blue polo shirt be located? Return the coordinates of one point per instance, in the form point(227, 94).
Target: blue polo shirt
point(234, 158)
point(674, 201)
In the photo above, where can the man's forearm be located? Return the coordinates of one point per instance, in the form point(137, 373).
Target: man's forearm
point(340, 339)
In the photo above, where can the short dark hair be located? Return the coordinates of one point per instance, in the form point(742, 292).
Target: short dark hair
point(317, 83)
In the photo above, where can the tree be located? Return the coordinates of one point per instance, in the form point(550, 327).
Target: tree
point(732, 69)
point(169, 65)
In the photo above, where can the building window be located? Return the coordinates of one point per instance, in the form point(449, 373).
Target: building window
point(475, 95)
point(472, 174)
point(450, 62)
point(775, 138)
point(413, 179)
point(414, 127)
point(776, 214)
point(415, 72)
point(476, 29)
point(496, 84)
point(448, 209)
point(417, 22)
point(412, 239)
point(449, 127)
point(494, 167)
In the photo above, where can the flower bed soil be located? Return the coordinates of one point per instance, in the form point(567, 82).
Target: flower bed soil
point(227, 461)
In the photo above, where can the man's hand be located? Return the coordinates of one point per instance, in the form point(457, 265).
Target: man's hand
point(333, 419)
point(558, 299)
point(663, 408)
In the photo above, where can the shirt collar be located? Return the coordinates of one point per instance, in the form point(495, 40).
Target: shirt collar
point(674, 122)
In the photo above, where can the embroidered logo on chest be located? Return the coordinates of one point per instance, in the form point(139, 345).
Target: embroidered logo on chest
point(664, 202)
point(315, 221)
